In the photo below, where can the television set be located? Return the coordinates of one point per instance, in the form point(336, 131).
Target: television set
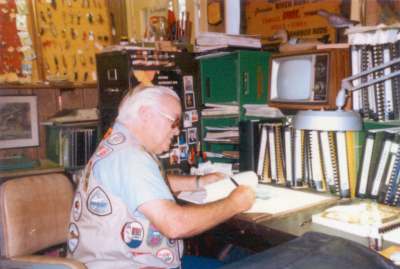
point(307, 80)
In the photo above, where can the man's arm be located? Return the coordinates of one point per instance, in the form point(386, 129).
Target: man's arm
point(188, 183)
point(176, 221)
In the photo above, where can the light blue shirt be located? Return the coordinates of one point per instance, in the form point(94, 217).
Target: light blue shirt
point(129, 172)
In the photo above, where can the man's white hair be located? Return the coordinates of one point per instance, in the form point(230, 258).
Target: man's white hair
point(144, 96)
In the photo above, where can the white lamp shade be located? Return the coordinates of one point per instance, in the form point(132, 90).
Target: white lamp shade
point(337, 120)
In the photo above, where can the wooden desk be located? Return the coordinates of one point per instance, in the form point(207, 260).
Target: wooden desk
point(256, 232)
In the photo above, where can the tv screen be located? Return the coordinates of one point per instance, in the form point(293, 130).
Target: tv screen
point(293, 81)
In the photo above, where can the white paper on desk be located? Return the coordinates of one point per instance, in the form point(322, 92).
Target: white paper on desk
point(220, 189)
point(270, 199)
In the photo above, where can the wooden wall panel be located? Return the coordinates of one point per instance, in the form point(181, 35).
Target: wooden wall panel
point(91, 97)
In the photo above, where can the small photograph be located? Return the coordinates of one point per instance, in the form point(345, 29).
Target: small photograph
point(175, 156)
point(189, 100)
point(182, 137)
point(195, 116)
point(175, 141)
point(183, 152)
point(192, 155)
point(187, 119)
point(192, 135)
point(188, 83)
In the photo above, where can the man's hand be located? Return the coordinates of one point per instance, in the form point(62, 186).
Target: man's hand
point(243, 196)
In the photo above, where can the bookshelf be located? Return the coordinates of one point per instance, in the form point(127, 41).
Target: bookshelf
point(70, 145)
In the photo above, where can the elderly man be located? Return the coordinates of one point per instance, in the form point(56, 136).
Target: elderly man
point(124, 214)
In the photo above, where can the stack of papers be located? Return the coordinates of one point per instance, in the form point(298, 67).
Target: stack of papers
point(263, 111)
point(221, 39)
point(213, 109)
point(222, 134)
point(209, 167)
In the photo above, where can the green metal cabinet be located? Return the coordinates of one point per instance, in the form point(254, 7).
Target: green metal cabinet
point(239, 77)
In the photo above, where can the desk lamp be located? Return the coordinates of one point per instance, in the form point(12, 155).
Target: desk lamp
point(340, 120)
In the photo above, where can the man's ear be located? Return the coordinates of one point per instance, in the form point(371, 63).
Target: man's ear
point(145, 113)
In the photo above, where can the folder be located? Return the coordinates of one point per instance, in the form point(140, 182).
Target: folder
point(344, 180)
point(262, 151)
point(249, 140)
point(387, 191)
point(298, 158)
point(288, 147)
point(318, 177)
point(351, 159)
point(329, 162)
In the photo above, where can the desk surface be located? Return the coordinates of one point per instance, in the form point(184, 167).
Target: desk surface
point(293, 224)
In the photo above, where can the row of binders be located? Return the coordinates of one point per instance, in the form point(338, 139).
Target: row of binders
point(326, 161)
point(380, 101)
point(321, 160)
point(379, 172)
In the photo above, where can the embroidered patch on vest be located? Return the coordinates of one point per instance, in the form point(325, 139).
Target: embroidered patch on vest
point(171, 242)
point(165, 255)
point(103, 151)
point(98, 202)
point(116, 139)
point(132, 234)
point(154, 237)
point(73, 237)
point(77, 207)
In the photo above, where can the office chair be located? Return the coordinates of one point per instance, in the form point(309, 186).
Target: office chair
point(34, 216)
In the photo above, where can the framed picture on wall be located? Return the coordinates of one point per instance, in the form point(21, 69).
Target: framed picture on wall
point(18, 122)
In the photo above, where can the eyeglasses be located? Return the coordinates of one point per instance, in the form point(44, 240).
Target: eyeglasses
point(176, 122)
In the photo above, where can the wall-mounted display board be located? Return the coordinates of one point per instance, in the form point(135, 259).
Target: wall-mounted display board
point(70, 34)
point(52, 40)
point(17, 55)
point(298, 17)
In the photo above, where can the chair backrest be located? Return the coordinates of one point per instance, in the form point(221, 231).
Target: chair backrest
point(34, 213)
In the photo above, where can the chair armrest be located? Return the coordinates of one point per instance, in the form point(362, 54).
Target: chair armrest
point(45, 262)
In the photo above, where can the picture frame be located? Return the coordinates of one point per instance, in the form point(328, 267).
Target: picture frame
point(188, 83)
point(189, 100)
point(18, 122)
point(191, 135)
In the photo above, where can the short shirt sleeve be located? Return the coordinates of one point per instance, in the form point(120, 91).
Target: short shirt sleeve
point(132, 175)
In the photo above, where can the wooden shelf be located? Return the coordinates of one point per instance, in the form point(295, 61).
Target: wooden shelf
point(45, 167)
point(38, 86)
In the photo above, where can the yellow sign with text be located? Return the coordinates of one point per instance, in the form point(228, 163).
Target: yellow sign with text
point(298, 17)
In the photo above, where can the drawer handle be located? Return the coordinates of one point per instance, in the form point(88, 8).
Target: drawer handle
point(245, 83)
point(112, 90)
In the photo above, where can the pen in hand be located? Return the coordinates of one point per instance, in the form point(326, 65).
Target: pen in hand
point(234, 181)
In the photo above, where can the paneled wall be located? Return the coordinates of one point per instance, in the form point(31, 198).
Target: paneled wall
point(50, 101)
